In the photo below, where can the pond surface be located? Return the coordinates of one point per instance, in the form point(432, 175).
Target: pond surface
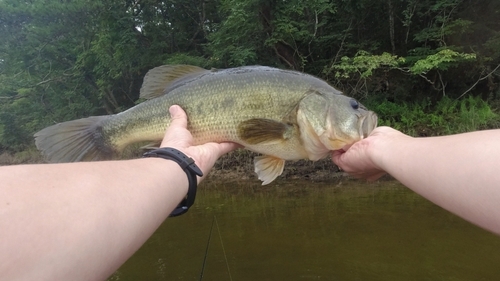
point(300, 230)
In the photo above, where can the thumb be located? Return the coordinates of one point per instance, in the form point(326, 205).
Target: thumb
point(336, 157)
point(178, 116)
point(177, 133)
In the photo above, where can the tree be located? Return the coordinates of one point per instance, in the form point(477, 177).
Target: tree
point(62, 60)
point(40, 41)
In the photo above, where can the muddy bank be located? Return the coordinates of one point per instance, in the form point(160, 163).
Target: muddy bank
point(239, 165)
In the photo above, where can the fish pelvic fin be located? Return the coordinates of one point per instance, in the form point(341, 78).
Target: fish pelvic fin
point(151, 146)
point(74, 141)
point(268, 168)
point(260, 130)
point(159, 78)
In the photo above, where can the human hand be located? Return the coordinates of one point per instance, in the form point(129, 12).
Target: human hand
point(177, 136)
point(364, 158)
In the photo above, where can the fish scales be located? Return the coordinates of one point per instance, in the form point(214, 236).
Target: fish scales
point(211, 102)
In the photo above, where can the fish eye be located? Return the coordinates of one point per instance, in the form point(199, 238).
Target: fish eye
point(354, 103)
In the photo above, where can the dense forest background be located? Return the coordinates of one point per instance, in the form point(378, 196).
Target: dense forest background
point(426, 67)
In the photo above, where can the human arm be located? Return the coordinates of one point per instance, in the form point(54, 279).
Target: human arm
point(81, 221)
point(458, 172)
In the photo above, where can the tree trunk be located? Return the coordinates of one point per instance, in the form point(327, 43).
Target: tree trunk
point(391, 26)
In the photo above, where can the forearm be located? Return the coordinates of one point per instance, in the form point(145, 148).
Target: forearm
point(459, 172)
point(53, 228)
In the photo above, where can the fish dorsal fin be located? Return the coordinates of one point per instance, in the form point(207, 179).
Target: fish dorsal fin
point(159, 78)
point(268, 168)
point(261, 130)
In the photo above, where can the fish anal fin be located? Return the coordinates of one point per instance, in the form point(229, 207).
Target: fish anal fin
point(159, 78)
point(268, 168)
point(260, 130)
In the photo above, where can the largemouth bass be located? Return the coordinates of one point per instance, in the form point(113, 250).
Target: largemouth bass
point(281, 114)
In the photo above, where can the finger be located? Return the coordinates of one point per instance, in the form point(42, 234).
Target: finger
point(346, 147)
point(178, 116)
point(336, 156)
point(226, 147)
point(177, 133)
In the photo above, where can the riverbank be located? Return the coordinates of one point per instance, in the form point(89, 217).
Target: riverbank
point(238, 165)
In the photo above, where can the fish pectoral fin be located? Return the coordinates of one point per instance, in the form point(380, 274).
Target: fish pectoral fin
point(261, 130)
point(159, 78)
point(268, 168)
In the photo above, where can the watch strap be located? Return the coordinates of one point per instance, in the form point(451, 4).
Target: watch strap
point(189, 167)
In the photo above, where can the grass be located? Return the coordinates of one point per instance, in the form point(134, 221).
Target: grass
point(445, 117)
point(29, 156)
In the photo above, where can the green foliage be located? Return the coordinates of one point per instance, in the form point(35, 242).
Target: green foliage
point(357, 70)
point(40, 84)
point(181, 58)
point(237, 39)
point(62, 60)
point(444, 23)
point(492, 47)
point(299, 26)
point(363, 65)
point(441, 60)
point(447, 116)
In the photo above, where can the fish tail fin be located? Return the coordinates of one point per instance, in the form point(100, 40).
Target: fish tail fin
point(73, 141)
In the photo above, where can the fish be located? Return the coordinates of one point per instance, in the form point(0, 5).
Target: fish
point(281, 114)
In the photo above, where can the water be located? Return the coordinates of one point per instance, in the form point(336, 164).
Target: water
point(315, 231)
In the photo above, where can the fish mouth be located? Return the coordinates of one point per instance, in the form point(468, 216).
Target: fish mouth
point(366, 124)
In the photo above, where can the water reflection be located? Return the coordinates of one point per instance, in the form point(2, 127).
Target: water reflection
point(313, 231)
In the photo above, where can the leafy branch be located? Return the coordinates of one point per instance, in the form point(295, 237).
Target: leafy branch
point(363, 65)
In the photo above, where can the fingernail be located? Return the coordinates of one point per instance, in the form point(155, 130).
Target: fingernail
point(173, 110)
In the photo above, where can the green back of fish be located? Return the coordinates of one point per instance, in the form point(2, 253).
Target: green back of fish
point(217, 102)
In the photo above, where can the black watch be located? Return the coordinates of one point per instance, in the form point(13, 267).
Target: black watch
point(188, 165)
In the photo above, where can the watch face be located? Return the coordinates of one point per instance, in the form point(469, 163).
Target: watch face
point(180, 209)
